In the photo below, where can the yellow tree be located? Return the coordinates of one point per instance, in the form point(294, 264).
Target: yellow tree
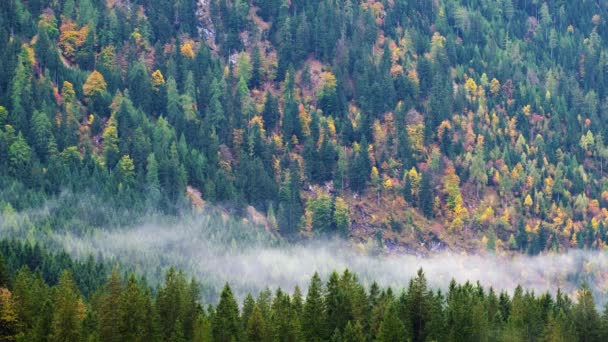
point(157, 79)
point(110, 143)
point(187, 50)
point(9, 324)
point(455, 204)
point(494, 87)
point(377, 181)
point(71, 39)
point(94, 85)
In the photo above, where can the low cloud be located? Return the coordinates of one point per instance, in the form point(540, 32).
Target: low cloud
point(215, 250)
point(252, 267)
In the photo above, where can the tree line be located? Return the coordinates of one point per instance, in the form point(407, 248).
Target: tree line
point(50, 297)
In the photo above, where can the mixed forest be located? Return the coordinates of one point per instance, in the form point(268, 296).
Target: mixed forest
point(464, 124)
point(408, 126)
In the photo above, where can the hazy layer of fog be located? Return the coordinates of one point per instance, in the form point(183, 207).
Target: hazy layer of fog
point(216, 250)
point(250, 269)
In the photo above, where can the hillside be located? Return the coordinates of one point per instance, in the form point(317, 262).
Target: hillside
point(414, 125)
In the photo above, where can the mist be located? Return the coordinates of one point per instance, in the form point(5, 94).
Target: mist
point(215, 249)
point(251, 267)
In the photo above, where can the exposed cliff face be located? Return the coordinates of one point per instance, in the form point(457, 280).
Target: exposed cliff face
point(205, 28)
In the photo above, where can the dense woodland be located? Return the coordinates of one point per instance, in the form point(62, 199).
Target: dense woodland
point(50, 297)
point(463, 123)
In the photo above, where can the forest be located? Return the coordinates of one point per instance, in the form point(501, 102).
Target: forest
point(453, 124)
point(466, 125)
point(46, 296)
point(399, 127)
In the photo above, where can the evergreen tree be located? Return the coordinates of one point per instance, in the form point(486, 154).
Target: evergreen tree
point(69, 311)
point(391, 328)
point(256, 327)
point(290, 204)
point(226, 324)
point(4, 275)
point(585, 316)
point(360, 168)
point(426, 195)
point(314, 315)
point(270, 114)
point(110, 317)
point(353, 333)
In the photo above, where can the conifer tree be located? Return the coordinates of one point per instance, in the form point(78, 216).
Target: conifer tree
point(110, 317)
point(314, 314)
point(69, 311)
point(391, 328)
point(226, 323)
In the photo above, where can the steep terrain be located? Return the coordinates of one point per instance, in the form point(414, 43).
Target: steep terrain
point(415, 126)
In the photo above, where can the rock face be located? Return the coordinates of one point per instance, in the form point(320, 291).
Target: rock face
point(205, 27)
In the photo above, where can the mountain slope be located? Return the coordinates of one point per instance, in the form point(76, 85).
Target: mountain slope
point(416, 125)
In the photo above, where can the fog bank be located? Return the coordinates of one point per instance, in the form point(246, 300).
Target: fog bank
point(250, 268)
point(216, 249)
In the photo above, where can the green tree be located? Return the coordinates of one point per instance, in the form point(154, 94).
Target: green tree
point(256, 67)
point(256, 327)
point(391, 328)
point(290, 203)
point(426, 195)
point(585, 316)
point(110, 144)
point(353, 333)
point(341, 216)
point(314, 314)
point(270, 114)
point(42, 134)
point(109, 307)
point(4, 275)
point(125, 172)
point(360, 168)
point(321, 211)
point(69, 312)
point(137, 317)
point(226, 322)
point(19, 157)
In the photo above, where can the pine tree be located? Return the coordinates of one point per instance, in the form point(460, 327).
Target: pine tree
point(290, 203)
point(314, 315)
point(19, 157)
point(391, 328)
point(353, 333)
point(360, 168)
point(42, 134)
point(137, 321)
point(69, 312)
point(256, 327)
point(171, 303)
point(110, 317)
point(426, 195)
point(4, 274)
point(226, 322)
point(337, 303)
point(270, 114)
point(419, 302)
point(152, 180)
point(256, 68)
point(585, 316)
